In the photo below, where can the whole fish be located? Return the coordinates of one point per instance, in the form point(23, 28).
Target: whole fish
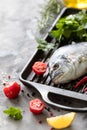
point(68, 63)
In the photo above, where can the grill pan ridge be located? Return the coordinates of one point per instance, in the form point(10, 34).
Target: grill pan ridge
point(62, 95)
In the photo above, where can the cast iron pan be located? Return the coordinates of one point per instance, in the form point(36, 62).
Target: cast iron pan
point(58, 96)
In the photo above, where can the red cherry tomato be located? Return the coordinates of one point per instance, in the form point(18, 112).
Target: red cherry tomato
point(36, 106)
point(39, 67)
point(12, 90)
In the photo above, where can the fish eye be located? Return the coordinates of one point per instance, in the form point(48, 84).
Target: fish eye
point(56, 66)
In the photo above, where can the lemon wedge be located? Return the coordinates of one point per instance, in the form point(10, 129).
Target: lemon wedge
point(62, 121)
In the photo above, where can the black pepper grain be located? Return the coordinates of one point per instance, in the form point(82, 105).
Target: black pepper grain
point(22, 91)
point(4, 84)
point(28, 94)
point(40, 122)
point(33, 94)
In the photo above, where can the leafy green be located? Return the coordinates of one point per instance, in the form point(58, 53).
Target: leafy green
point(51, 9)
point(14, 113)
point(44, 45)
point(71, 28)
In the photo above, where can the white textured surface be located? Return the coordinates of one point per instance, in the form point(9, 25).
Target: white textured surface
point(18, 30)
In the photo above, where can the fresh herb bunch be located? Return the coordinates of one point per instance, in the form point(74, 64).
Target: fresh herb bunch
point(71, 28)
point(14, 113)
point(50, 10)
point(44, 45)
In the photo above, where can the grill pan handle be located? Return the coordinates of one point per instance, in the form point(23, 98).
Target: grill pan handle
point(46, 99)
point(45, 90)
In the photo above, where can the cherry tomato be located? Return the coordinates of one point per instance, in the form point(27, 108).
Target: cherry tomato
point(36, 106)
point(12, 90)
point(39, 67)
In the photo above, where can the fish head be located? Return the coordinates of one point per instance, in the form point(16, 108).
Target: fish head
point(60, 69)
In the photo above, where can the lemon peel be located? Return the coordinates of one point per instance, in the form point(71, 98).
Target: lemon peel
point(61, 121)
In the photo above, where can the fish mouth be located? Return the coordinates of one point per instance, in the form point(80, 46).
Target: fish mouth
point(56, 76)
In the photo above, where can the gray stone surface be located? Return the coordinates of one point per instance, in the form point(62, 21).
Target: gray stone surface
point(18, 30)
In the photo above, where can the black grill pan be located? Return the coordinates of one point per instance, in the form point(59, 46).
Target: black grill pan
point(60, 95)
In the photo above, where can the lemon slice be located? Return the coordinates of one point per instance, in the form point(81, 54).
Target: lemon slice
point(61, 121)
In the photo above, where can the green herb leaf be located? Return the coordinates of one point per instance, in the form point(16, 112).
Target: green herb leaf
point(44, 45)
point(72, 27)
point(14, 113)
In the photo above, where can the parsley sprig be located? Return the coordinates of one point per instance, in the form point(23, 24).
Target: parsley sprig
point(44, 45)
point(14, 113)
point(71, 28)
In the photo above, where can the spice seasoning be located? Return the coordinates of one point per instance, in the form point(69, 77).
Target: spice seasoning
point(4, 83)
point(22, 91)
point(33, 94)
point(9, 76)
point(51, 128)
point(51, 113)
point(39, 121)
point(28, 95)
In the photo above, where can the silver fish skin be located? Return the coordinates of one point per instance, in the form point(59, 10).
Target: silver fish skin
point(68, 63)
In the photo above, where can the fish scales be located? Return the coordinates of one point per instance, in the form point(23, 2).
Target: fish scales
point(68, 63)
